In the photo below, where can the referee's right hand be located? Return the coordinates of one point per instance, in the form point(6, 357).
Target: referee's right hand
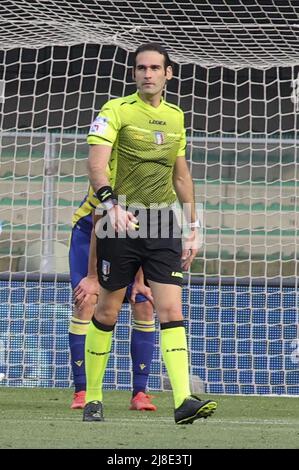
point(121, 220)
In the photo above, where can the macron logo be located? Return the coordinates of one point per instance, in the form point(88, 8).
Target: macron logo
point(79, 363)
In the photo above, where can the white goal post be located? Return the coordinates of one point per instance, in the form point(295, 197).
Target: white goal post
point(236, 76)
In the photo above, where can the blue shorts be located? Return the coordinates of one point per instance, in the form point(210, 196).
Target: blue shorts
point(78, 258)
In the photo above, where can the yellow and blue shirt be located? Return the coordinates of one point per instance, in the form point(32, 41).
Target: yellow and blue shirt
point(83, 213)
point(90, 202)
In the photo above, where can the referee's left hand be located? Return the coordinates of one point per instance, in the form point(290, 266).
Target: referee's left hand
point(191, 245)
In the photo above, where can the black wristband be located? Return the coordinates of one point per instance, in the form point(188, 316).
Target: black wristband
point(105, 193)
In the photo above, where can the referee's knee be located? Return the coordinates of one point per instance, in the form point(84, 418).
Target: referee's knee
point(170, 313)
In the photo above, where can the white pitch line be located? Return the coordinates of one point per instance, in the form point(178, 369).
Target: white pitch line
point(170, 421)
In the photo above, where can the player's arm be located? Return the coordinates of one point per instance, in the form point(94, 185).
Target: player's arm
point(89, 285)
point(183, 185)
point(98, 159)
point(139, 287)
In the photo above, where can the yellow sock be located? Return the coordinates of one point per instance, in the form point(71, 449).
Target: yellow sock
point(97, 350)
point(175, 356)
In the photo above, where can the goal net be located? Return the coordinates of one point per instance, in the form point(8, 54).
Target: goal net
point(236, 76)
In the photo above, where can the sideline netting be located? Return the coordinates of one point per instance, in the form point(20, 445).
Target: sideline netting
point(236, 78)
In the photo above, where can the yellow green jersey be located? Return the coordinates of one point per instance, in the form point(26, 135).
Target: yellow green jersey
point(145, 143)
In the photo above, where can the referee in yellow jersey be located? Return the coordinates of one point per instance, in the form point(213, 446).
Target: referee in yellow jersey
point(143, 136)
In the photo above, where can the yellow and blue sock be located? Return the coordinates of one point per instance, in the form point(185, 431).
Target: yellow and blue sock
point(77, 334)
point(142, 348)
point(175, 356)
point(97, 350)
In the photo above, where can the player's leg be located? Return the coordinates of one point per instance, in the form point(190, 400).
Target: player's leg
point(117, 266)
point(79, 322)
point(142, 348)
point(99, 339)
point(162, 269)
point(173, 337)
point(174, 348)
point(97, 350)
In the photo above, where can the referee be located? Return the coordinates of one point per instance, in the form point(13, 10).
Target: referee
point(142, 138)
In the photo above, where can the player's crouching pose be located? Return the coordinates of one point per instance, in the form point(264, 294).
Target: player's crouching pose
point(84, 279)
point(146, 137)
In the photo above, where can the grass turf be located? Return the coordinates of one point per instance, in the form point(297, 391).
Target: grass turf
point(42, 419)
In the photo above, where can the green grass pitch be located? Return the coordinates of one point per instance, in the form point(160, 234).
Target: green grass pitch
point(41, 418)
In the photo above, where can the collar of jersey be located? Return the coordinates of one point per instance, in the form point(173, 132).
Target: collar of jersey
point(148, 106)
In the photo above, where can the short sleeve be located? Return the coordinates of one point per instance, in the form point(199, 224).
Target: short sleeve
point(104, 129)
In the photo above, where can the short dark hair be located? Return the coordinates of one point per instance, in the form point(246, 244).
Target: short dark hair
point(153, 46)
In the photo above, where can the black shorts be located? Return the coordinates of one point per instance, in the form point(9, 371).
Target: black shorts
point(118, 259)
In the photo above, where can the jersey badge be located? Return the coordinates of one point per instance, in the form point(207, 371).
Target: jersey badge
point(99, 125)
point(159, 137)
